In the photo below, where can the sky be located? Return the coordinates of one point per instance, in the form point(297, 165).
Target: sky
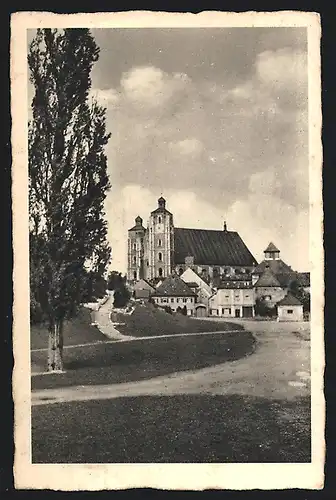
point(216, 121)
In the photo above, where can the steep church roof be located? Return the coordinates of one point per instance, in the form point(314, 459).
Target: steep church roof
point(267, 279)
point(211, 247)
point(174, 286)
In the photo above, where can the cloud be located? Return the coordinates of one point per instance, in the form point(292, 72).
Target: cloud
point(234, 151)
point(105, 97)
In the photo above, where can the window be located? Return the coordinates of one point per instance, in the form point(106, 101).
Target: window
point(160, 271)
point(289, 311)
point(268, 297)
point(134, 246)
point(159, 220)
point(172, 299)
point(180, 271)
point(160, 256)
point(160, 243)
point(135, 275)
point(184, 300)
point(223, 310)
point(134, 260)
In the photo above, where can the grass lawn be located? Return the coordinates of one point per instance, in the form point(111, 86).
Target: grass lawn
point(172, 429)
point(148, 320)
point(143, 359)
point(77, 331)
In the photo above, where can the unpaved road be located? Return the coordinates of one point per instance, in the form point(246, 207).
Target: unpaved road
point(278, 369)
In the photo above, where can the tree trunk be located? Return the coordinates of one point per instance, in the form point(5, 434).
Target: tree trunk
point(55, 347)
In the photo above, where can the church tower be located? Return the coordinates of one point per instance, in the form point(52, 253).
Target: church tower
point(136, 242)
point(160, 242)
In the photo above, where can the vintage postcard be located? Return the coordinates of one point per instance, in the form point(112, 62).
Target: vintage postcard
point(168, 251)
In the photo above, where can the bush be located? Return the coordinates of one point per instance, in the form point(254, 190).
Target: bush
point(121, 297)
point(168, 309)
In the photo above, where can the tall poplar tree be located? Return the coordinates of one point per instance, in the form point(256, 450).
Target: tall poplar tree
point(68, 179)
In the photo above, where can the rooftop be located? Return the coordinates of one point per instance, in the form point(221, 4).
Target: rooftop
point(289, 300)
point(211, 247)
point(271, 248)
point(267, 279)
point(174, 286)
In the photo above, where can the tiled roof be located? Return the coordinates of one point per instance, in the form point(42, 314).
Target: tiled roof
point(233, 285)
point(192, 284)
point(289, 300)
point(267, 279)
point(211, 247)
point(271, 248)
point(174, 286)
point(277, 266)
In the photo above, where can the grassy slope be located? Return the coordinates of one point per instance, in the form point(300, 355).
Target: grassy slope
point(148, 320)
point(77, 331)
point(173, 429)
point(143, 359)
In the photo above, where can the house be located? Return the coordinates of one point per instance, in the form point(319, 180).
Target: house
point(175, 293)
point(269, 289)
point(202, 289)
point(290, 309)
point(142, 289)
point(160, 249)
point(233, 299)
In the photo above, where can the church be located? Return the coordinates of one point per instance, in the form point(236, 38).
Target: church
point(160, 249)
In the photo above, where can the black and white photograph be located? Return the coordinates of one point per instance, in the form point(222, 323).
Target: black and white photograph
point(170, 276)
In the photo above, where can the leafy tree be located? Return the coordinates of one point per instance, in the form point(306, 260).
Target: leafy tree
point(299, 292)
point(115, 280)
point(68, 178)
point(121, 296)
point(263, 309)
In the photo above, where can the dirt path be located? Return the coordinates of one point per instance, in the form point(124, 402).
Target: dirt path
point(104, 323)
point(279, 369)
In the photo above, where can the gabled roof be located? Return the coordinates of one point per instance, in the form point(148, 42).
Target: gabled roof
point(235, 285)
point(211, 247)
point(267, 279)
point(174, 286)
point(192, 284)
point(277, 266)
point(271, 248)
point(289, 300)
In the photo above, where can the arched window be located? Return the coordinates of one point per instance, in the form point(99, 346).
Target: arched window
point(159, 220)
point(135, 275)
point(134, 246)
point(160, 243)
point(180, 271)
point(134, 259)
point(160, 256)
point(160, 271)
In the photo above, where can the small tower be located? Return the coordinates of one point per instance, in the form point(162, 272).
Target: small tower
point(272, 252)
point(160, 242)
point(136, 238)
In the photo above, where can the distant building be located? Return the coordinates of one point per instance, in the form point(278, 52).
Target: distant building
point(175, 293)
point(142, 289)
point(233, 299)
point(202, 289)
point(272, 278)
point(290, 309)
point(161, 249)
